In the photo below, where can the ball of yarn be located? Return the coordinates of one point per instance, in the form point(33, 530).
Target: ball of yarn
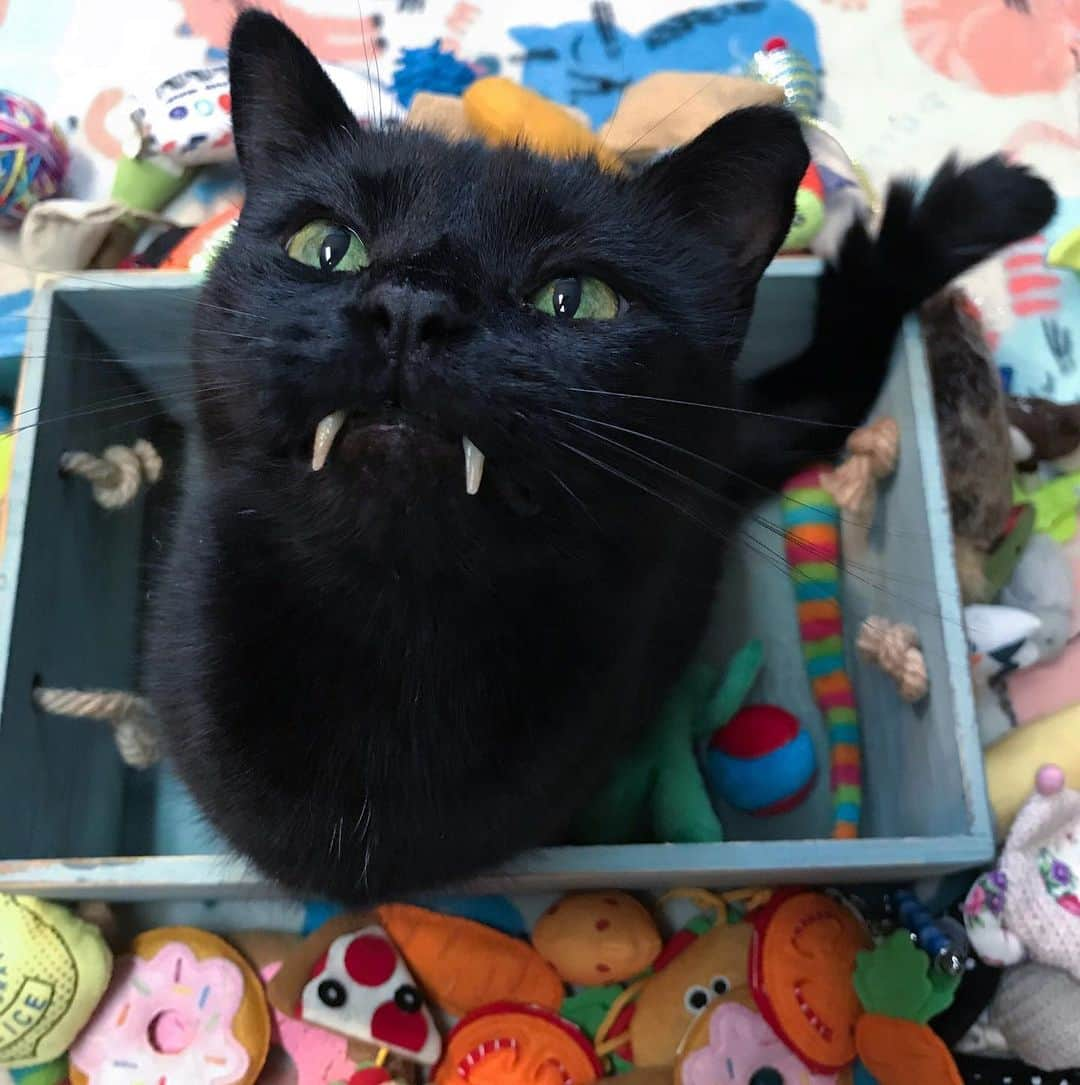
point(33, 157)
point(762, 761)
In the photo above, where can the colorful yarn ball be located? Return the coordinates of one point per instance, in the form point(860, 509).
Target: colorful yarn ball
point(761, 761)
point(33, 157)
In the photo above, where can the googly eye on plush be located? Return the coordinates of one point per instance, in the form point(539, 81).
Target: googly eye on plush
point(577, 297)
point(332, 994)
point(327, 246)
point(696, 999)
point(720, 985)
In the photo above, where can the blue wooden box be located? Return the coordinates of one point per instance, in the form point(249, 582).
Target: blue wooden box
point(74, 578)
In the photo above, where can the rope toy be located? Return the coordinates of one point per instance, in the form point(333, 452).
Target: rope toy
point(118, 474)
point(894, 647)
point(134, 723)
point(811, 522)
point(873, 452)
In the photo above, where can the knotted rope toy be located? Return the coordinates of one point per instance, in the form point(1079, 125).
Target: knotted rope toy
point(873, 453)
point(118, 474)
point(132, 718)
point(894, 647)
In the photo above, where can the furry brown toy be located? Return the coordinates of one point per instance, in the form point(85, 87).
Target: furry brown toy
point(974, 433)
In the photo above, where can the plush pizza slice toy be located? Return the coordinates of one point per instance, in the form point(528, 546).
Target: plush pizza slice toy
point(361, 988)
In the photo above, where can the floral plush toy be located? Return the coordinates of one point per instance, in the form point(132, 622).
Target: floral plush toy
point(1028, 906)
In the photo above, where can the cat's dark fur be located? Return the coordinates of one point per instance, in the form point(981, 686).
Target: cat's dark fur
point(374, 682)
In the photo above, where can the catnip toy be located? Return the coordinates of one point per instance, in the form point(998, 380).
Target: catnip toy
point(511, 1043)
point(54, 970)
point(811, 522)
point(593, 938)
point(801, 959)
point(182, 1001)
point(900, 992)
point(458, 964)
point(735, 1046)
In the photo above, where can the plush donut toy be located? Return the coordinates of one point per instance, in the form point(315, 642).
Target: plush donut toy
point(184, 1006)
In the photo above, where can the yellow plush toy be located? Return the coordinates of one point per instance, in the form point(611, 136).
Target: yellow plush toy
point(1011, 763)
point(54, 969)
point(503, 112)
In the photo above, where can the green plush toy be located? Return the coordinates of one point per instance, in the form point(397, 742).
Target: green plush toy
point(658, 793)
point(54, 969)
point(50, 1073)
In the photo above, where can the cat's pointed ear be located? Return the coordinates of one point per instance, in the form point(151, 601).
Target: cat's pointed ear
point(282, 99)
point(738, 180)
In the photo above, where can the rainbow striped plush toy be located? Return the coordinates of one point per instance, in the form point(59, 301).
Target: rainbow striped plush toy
point(811, 522)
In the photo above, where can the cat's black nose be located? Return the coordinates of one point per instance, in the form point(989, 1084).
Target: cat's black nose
point(407, 321)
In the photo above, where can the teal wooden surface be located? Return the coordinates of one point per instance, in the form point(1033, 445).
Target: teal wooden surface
point(73, 578)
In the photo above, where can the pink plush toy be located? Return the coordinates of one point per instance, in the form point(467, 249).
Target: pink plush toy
point(742, 1049)
point(318, 1057)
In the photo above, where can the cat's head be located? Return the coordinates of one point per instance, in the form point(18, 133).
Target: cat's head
point(407, 310)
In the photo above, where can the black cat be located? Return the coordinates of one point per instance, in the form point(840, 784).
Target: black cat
point(446, 555)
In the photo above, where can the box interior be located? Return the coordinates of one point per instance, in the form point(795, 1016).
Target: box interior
point(118, 369)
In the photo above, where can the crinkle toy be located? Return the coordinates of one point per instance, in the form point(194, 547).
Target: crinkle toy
point(1028, 906)
point(54, 969)
point(183, 1007)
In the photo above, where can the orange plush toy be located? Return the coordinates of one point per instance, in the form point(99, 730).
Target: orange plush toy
point(597, 938)
point(509, 1043)
point(504, 112)
point(801, 964)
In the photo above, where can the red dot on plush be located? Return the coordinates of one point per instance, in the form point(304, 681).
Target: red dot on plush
point(319, 967)
point(775, 43)
point(225, 101)
point(370, 960)
point(603, 924)
point(394, 1026)
point(168, 148)
point(601, 967)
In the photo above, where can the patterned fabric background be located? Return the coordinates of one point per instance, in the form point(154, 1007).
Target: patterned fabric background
point(906, 82)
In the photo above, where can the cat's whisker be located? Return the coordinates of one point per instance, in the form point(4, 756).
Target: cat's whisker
point(713, 407)
point(755, 545)
point(857, 571)
point(704, 460)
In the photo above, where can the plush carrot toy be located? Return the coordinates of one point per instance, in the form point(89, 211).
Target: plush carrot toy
point(900, 991)
point(811, 522)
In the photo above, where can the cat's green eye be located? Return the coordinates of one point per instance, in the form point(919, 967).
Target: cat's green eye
point(577, 297)
point(326, 245)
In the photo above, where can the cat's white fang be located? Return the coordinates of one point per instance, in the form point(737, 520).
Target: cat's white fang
point(474, 466)
point(325, 432)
